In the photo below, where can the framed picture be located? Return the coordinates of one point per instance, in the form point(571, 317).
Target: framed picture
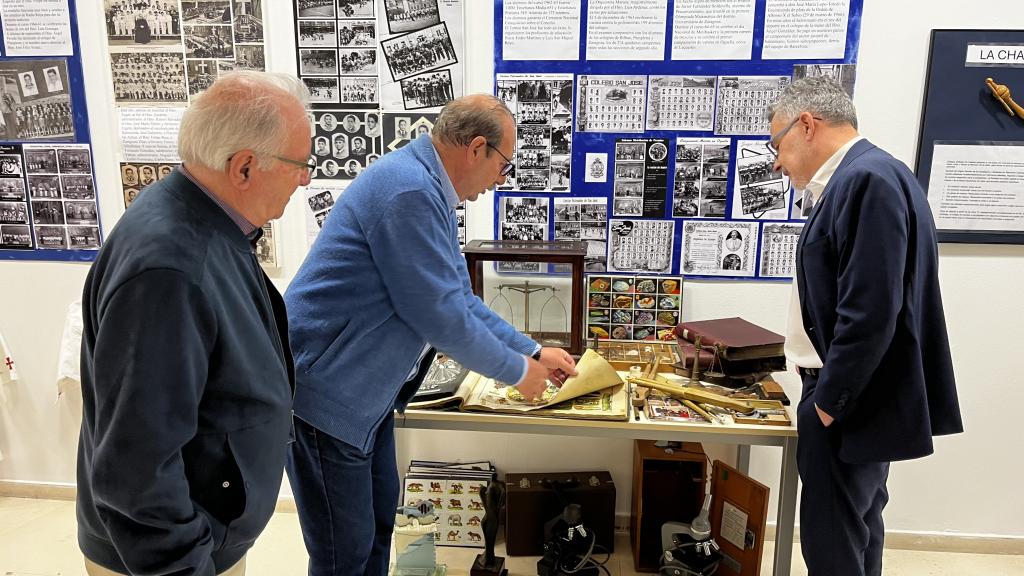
point(970, 156)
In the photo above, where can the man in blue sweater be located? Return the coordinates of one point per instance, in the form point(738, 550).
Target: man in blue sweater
point(383, 286)
point(186, 371)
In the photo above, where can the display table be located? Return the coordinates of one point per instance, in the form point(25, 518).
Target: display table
point(744, 435)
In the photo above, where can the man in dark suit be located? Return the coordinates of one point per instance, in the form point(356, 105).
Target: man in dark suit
point(866, 331)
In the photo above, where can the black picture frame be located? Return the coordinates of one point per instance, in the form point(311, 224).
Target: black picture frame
point(959, 108)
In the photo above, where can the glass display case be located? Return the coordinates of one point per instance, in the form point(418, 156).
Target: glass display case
point(530, 278)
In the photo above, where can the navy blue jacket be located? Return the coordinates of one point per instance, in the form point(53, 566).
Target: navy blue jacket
point(186, 385)
point(869, 294)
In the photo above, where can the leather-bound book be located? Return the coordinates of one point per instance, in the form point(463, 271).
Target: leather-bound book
point(736, 338)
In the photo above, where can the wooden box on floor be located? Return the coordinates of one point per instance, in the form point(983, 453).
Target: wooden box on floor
point(667, 487)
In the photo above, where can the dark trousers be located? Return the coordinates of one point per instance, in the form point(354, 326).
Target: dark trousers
point(841, 531)
point(346, 500)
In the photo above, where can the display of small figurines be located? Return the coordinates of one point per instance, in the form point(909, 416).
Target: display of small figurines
point(487, 564)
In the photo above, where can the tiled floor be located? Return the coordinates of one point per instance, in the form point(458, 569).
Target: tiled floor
point(37, 538)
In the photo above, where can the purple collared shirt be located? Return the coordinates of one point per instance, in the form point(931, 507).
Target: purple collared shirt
point(247, 228)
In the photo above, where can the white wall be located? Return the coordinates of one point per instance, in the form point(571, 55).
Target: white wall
point(968, 487)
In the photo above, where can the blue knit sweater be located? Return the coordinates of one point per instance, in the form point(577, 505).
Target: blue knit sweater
point(385, 277)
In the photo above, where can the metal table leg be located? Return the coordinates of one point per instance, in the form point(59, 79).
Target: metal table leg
point(787, 510)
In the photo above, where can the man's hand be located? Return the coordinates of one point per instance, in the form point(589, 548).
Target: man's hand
point(535, 381)
point(825, 418)
point(559, 363)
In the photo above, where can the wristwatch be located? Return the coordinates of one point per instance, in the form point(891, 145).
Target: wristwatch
point(536, 355)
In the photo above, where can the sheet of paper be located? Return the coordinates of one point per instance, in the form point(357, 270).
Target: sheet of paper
point(423, 53)
point(318, 200)
point(718, 248)
point(542, 107)
point(640, 246)
point(805, 29)
point(36, 27)
point(541, 30)
point(702, 172)
point(778, 249)
point(759, 192)
point(978, 186)
point(712, 29)
point(734, 525)
point(150, 134)
point(626, 30)
point(584, 219)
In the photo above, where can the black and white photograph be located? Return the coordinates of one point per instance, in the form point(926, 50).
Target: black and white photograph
point(84, 237)
point(51, 237)
point(74, 161)
point(209, 42)
point(611, 103)
point(760, 193)
point(78, 187)
point(701, 177)
point(206, 12)
point(13, 213)
point(318, 33)
point(148, 78)
point(640, 178)
point(322, 62)
point(322, 89)
point(41, 161)
point(10, 165)
point(357, 33)
point(12, 189)
point(597, 167)
point(419, 51)
point(144, 22)
point(399, 129)
point(640, 246)
point(320, 201)
point(47, 212)
point(524, 210)
point(15, 236)
point(406, 15)
point(201, 75)
point(845, 74)
point(742, 101)
point(266, 247)
point(460, 221)
point(248, 21)
point(341, 144)
point(681, 103)
point(711, 248)
point(427, 90)
point(315, 8)
point(80, 212)
point(53, 80)
point(540, 104)
point(357, 61)
point(250, 57)
point(44, 119)
point(44, 187)
point(355, 8)
point(29, 84)
point(524, 232)
point(135, 177)
point(778, 249)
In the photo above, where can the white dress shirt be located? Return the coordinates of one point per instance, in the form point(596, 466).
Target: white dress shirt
point(799, 349)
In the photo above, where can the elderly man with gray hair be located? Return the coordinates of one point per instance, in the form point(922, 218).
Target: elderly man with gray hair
point(187, 375)
point(866, 326)
point(383, 286)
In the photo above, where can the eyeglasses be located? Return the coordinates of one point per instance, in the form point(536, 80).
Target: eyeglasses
point(309, 164)
point(772, 144)
point(507, 168)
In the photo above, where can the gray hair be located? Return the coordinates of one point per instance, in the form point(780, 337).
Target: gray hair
point(822, 97)
point(241, 110)
point(465, 118)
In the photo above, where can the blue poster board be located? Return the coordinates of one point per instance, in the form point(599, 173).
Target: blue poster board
point(605, 142)
point(59, 202)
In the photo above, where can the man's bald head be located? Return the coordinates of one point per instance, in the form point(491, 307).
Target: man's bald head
point(473, 115)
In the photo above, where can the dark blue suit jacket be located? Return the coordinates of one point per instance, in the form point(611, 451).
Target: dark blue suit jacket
point(869, 294)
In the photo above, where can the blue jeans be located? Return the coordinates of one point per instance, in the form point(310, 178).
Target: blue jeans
point(346, 500)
